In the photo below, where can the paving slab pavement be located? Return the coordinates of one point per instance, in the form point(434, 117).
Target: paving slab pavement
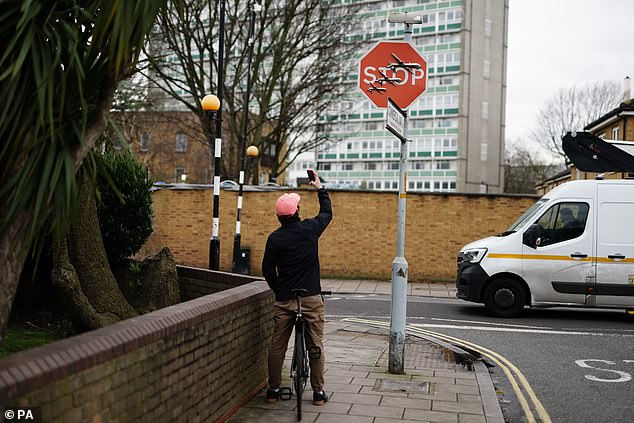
point(434, 387)
point(422, 289)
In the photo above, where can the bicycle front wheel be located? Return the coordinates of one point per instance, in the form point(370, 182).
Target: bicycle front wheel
point(299, 355)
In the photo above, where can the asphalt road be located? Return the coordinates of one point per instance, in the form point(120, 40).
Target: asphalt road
point(579, 362)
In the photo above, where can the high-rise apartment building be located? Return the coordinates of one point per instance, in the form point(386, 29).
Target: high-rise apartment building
point(456, 127)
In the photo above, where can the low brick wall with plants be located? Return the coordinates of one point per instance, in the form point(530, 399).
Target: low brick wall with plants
point(195, 361)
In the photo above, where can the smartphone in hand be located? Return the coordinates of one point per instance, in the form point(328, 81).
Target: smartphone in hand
point(311, 175)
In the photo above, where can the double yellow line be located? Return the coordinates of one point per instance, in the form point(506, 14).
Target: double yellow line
point(523, 391)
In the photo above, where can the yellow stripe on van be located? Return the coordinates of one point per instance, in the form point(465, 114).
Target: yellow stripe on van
point(530, 257)
point(505, 256)
point(554, 257)
point(549, 257)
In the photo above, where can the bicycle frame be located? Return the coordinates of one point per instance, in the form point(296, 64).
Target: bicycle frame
point(300, 362)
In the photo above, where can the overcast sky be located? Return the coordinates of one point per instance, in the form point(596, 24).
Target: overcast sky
point(554, 44)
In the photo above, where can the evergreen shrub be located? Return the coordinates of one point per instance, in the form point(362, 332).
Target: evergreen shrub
point(124, 205)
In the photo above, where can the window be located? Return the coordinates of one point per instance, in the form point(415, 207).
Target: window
point(323, 166)
point(485, 110)
point(487, 27)
point(371, 126)
point(562, 222)
point(393, 165)
point(615, 133)
point(346, 166)
point(179, 174)
point(449, 143)
point(145, 143)
point(369, 166)
point(181, 143)
point(394, 184)
point(486, 69)
point(443, 164)
point(484, 151)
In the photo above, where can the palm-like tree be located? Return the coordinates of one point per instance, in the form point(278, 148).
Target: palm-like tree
point(59, 66)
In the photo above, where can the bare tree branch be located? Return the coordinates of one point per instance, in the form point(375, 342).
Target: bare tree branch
point(525, 168)
point(295, 73)
point(570, 109)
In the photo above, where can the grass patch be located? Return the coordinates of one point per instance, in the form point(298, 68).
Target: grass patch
point(23, 337)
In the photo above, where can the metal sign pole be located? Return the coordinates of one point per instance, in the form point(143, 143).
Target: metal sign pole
point(400, 267)
point(397, 124)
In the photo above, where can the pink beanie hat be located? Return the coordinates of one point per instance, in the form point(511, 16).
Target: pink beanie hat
point(286, 204)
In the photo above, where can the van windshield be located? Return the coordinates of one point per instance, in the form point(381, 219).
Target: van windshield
point(528, 215)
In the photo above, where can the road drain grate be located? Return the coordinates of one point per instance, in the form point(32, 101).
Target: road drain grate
point(401, 386)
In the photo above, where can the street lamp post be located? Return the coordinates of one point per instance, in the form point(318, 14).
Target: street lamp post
point(214, 242)
point(211, 105)
point(251, 152)
point(255, 7)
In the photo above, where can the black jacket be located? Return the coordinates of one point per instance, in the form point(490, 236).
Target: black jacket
point(291, 257)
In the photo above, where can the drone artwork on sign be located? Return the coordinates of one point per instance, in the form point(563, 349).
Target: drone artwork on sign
point(393, 69)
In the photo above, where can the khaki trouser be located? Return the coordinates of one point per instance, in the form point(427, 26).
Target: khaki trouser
point(284, 319)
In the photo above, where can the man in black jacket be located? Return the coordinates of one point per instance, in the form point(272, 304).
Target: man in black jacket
point(291, 261)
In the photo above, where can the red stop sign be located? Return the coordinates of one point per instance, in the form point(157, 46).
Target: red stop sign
point(393, 69)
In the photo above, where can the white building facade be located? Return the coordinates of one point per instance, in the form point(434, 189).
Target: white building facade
point(456, 127)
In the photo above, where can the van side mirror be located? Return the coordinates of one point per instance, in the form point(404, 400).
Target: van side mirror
point(533, 236)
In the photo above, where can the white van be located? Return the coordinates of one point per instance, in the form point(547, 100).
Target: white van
point(573, 247)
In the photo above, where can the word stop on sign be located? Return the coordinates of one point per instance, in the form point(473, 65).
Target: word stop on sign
point(399, 76)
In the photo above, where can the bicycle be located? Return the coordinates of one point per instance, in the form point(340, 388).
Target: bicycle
point(300, 360)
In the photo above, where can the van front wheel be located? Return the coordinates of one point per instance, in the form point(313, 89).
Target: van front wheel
point(504, 298)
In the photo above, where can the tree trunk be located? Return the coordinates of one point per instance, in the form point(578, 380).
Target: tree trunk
point(151, 285)
point(86, 279)
point(13, 251)
point(66, 282)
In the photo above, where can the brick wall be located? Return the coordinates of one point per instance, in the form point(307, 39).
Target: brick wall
point(195, 361)
point(161, 156)
point(361, 241)
point(195, 283)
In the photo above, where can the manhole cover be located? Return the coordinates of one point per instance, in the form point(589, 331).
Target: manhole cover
point(400, 386)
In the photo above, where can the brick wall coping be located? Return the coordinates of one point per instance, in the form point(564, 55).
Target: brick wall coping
point(25, 371)
point(258, 188)
point(211, 276)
